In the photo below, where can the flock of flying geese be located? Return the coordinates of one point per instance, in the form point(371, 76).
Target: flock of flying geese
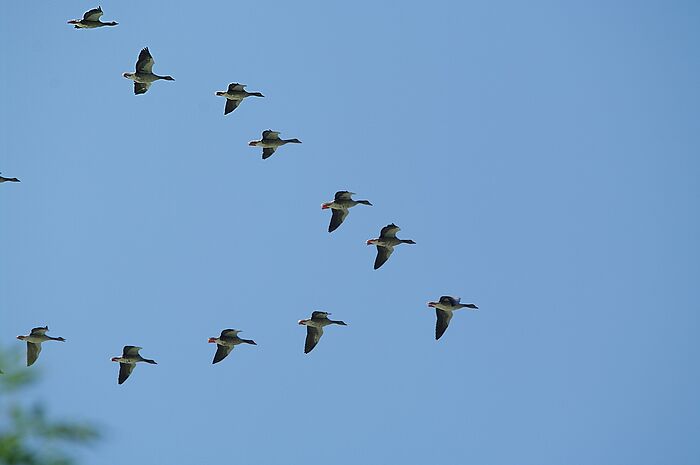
point(143, 77)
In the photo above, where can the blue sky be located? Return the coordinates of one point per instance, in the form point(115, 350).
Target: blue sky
point(543, 155)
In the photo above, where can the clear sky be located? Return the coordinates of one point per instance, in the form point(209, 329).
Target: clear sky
point(543, 155)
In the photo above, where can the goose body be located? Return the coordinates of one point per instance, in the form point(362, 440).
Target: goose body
point(144, 76)
point(270, 141)
point(314, 328)
point(4, 179)
point(234, 96)
point(443, 311)
point(34, 340)
point(127, 362)
point(386, 242)
point(226, 342)
point(91, 20)
point(340, 206)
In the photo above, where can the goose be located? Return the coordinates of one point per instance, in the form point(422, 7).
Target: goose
point(443, 309)
point(128, 361)
point(314, 328)
point(34, 340)
point(270, 141)
point(386, 242)
point(143, 77)
point(3, 179)
point(91, 20)
point(340, 205)
point(226, 342)
point(234, 96)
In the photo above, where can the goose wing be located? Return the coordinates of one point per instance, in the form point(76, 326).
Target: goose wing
point(40, 331)
point(337, 219)
point(343, 195)
point(389, 230)
point(130, 351)
point(141, 88)
point(221, 353)
point(229, 333)
point(236, 87)
point(33, 351)
point(93, 15)
point(267, 152)
point(443, 320)
point(448, 300)
point(270, 134)
point(125, 370)
point(319, 315)
point(231, 105)
point(313, 335)
point(383, 254)
point(145, 62)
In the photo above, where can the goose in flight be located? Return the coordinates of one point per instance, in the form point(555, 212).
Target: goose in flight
point(386, 242)
point(34, 340)
point(270, 141)
point(314, 328)
point(443, 309)
point(128, 361)
point(234, 96)
point(144, 76)
point(3, 179)
point(226, 342)
point(340, 205)
point(91, 20)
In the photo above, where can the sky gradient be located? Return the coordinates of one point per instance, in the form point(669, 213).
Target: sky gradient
point(543, 155)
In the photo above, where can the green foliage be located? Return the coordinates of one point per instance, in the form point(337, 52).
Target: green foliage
point(27, 435)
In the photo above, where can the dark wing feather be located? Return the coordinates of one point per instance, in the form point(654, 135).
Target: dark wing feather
point(145, 62)
point(33, 351)
point(221, 352)
point(389, 230)
point(40, 331)
point(448, 300)
point(313, 335)
point(267, 152)
point(443, 320)
point(141, 88)
point(93, 15)
point(383, 254)
point(125, 370)
point(343, 195)
point(337, 219)
point(130, 351)
point(231, 105)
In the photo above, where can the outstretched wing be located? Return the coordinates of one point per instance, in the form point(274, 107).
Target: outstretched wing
point(448, 300)
point(141, 88)
point(443, 320)
point(40, 331)
point(145, 62)
point(389, 230)
point(125, 370)
point(383, 254)
point(93, 15)
point(337, 219)
point(229, 333)
point(267, 152)
point(221, 352)
point(130, 351)
point(231, 105)
point(33, 351)
point(343, 195)
point(270, 134)
point(313, 335)
point(235, 87)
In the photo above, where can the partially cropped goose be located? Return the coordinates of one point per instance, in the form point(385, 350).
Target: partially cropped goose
point(91, 20)
point(226, 342)
point(340, 205)
point(234, 96)
point(314, 328)
point(144, 76)
point(443, 310)
point(34, 340)
point(386, 242)
point(270, 141)
point(3, 179)
point(130, 357)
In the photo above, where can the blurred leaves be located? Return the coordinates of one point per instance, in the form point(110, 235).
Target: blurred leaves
point(27, 435)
